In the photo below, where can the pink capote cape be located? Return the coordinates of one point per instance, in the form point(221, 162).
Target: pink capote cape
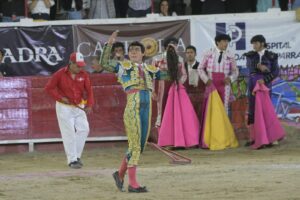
point(180, 125)
point(266, 128)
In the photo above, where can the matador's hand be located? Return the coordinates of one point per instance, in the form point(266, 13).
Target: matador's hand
point(113, 37)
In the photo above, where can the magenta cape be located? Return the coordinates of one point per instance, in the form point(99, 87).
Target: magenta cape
point(266, 128)
point(180, 125)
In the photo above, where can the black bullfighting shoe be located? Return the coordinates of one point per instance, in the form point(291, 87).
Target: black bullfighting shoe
point(118, 182)
point(137, 190)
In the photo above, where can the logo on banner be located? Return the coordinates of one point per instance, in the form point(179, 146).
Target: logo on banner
point(151, 46)
point(236, 31)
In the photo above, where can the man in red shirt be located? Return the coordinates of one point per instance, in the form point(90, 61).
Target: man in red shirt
point(68, 86)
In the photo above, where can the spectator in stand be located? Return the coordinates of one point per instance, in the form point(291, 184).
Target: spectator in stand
point(53, 10)
point(284, 5)
point(164, 9)
point(121, 8)
point(196, 7)
point(263, 5)
point(71, 88)
point(102, 9)
point(296, 4)
point(177, 6)
point(73, 8)
point(288, 4)
point(213, 6)
point(12, 10)
point(139, 8)
point(40, 9)
point(235, 6)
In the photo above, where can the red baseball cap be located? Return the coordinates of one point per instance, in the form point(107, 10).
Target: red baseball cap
point(77, 58)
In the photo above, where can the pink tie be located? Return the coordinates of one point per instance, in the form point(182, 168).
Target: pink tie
point(141, 71)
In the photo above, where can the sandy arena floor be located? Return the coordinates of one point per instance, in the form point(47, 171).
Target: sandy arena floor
point(241, 174)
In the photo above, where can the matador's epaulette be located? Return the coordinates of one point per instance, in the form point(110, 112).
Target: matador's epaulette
point(152, 68)
point(126, 64)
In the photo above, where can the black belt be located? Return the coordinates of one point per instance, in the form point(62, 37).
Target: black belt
point(40, 14)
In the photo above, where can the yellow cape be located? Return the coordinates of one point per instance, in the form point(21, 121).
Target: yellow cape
point(218, 132)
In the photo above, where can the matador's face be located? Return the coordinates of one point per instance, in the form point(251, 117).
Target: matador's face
point(135, 54)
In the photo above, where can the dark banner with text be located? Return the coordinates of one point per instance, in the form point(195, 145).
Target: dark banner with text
point(35, 50)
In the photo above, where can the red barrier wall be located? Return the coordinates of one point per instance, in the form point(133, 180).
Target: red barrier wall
point(26, 111)
point(14, 108)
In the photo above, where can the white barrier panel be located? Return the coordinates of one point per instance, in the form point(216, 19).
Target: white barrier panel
point(281, 33)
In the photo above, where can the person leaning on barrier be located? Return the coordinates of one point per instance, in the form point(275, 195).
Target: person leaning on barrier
point(5, 69)
point(118, 51)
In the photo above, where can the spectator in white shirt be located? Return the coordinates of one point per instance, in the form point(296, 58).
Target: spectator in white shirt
point(40, 9)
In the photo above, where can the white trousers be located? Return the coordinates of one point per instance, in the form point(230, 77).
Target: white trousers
point(74, 129)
